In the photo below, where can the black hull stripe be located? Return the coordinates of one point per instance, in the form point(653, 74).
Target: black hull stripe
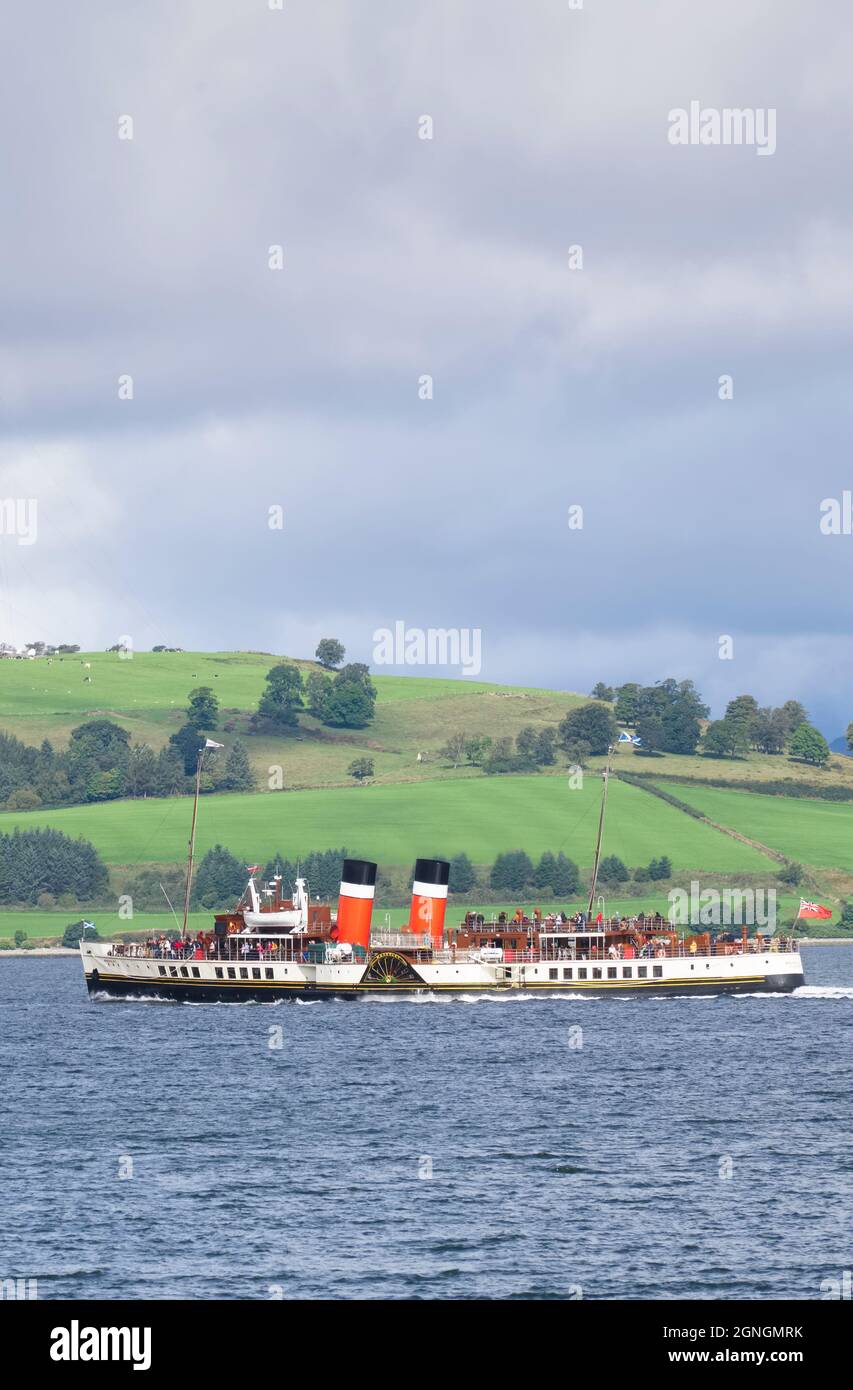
point(223, 991)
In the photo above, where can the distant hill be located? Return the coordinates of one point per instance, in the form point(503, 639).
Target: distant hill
point(147, 694)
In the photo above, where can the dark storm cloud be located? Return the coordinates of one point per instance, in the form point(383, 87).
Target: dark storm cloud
point(449, 257)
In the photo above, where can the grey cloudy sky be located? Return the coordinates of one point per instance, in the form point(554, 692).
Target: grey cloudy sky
point(403, 256)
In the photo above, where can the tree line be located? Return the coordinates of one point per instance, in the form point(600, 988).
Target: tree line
point(46, 867)
point(668, 717)
point(222, 876)
point(101, 764)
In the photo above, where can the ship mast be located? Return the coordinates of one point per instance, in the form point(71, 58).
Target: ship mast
point(208, 743)
point(597, 858)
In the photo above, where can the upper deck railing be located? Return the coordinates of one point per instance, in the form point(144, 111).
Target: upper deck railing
point(240, 950)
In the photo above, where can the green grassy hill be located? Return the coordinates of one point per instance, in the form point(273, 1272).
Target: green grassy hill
point(414, 806)
point(147, 694)
point(394, 824)
point(819, 833)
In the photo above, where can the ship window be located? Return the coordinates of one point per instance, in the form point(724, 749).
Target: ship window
point(162, 969)
point(596, 972)
point(582, 972)
point(184, 971)
point(173, 970)
point(268, 972)
point(195, 972)
point(611, 972)
point(642, 972)
point(244, 974)
point(567, 974)
point(657, 971)
point(553, 974)
point(626, 972)
point(232, 973)
point(256, 974)
point(219, 972)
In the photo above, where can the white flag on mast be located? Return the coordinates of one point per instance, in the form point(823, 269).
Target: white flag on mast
point(209, 743)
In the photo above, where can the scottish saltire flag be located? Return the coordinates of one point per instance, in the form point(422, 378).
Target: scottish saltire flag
point(625, 737)
point(637, 740)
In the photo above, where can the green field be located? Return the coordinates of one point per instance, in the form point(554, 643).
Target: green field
point(50, 925)
point(147, 695)
point(394, 824)
point(418, 802)
point(812, 832)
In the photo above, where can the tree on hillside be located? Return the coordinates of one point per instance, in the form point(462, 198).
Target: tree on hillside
point(567, 880)
point(188, 743)
point(725, 738)
point(501, 757)
point(602, 692)
point(317, 688)
point(546, 747)
point(203, 709)
point(545, 869)
point(742, 710)
point(351, 701)
point(591, 724)
point(100, 739)
point(577, 753)
point(238, 775)
point(477, 749)
point(669, 713)
point(659, 869)
point(360, 768)
point(769, 731)
point(627, 702)
point(511, 872)
point(808, 743)
point(794, 715)
point(142, 771)
point(281, 700)
point(650, 733)
point(850, 736)
point(171, 774)
point(454, 749)
point(792, 874)
point(612, 870)
point(462, 875)
point(535, 747)
point(33, 862)
point(72, 935)
point(329, 652)
point(680, 729)
point(220, 880)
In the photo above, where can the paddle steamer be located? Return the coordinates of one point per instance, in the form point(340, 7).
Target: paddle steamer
point(272, 947)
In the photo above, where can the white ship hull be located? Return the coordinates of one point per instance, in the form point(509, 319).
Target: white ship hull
point(111, 973)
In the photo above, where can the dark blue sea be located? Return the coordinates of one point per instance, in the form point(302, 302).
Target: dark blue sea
point(671, 1148)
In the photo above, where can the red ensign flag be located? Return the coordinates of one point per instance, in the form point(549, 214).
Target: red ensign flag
point(813, 909)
